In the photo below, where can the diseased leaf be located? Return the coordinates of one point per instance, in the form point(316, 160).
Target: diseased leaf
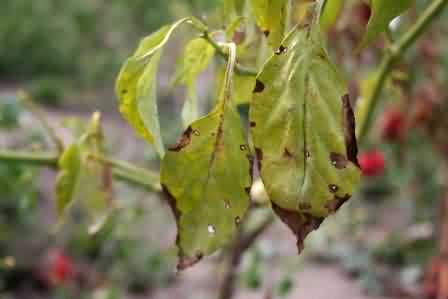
point(66, 182)
point(207, 176)
point(243, 86)
point(85, 180)
point(303, 133)
point(330, 12)
point(271, 18)
point(195, 59)
point(136, 86)
point(383, 12)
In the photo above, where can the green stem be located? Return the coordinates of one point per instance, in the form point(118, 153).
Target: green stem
point(394, 54)
point(122, 170)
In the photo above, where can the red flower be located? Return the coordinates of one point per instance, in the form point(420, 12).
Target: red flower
point(372, 163)
point(61, 267)
point(392, 127)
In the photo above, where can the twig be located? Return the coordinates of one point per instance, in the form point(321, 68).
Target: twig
point(394, 54)
point(241, 244)
point(41, 117)
point(122, 170)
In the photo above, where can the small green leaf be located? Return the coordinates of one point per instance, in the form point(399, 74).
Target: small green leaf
point(67, 179)
point(383, 12)
point(303, 133)
point(271, 18)
point(207, 175)
point(329, 13)
point(136, 86)
point(195, 59)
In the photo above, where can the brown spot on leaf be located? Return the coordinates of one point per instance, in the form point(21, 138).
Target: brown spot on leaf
point(266, 33)
point(259, 155)
point(287, 153)
point(243, 147)
point(304, 206)
point(237, 220)
point(350, 131)
point(307, 154)
point(334, 205)
point(251, 167)
point(253, 124)
point(338, 160)
point(184, 140)
point(259, 86)
point(247, 189)
point(282, 49)
point(124, 91)
point(301, 224)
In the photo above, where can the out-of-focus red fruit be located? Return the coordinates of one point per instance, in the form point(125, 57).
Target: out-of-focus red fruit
point(60, 266)
point(372, 163)
point(392, 126)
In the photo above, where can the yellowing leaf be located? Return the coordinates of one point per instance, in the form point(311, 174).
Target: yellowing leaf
point(207, 175)
point(136, 86)
point(303, 133)
point(383, 12)
point(271, 18)
point(330, 12)
point(195, 59)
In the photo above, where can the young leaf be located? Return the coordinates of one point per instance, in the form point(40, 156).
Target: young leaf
point(383, 12)
point(271, 18)
point(195, 59)
point(84, 180)
point(330, 12)
point(66, 182)
point(207, 176)
point(136, 86)
point(303, 133)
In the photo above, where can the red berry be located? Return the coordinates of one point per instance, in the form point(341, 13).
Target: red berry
point(372, 163)
point(61, 266)
point(392, 126)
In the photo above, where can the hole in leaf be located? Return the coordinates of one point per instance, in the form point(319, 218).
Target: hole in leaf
point(242, 147)
point(227, 204)
point(333, 188)
point(237, 220)
point(196, 133)
point(211, 229)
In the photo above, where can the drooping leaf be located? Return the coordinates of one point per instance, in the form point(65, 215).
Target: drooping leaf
point(271, 18)
point(207, 176)
point(66, 182)
point(330, 12)
point(303, 133)
point(383, 12)
point(195, 59)
point(136, 86)
point(83, 180)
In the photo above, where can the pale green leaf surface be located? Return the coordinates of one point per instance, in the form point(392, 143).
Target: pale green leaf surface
point(208, 178)
point(330, 12)
point(298, 131)
point(271, 18)
point(383, 12)
point(130, 87)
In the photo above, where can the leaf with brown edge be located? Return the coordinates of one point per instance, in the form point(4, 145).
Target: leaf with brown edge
point(206, 175)
point(304, 133)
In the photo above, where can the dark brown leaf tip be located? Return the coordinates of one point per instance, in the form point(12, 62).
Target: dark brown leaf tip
point(184, 140)
point(350, 130)
point(282, 49)
point(259, 86)
point(337, 202)
point(300, 224)
point(338, 160)
point(188, 261)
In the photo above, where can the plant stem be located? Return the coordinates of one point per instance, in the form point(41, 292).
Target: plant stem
point(394, 54)
point(122, 170)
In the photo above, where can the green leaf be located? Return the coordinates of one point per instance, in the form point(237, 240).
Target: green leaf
point(243, 86)
point(271, 18)
point(330, 12)
point(195, 59)
point(83, 180)
point(383, 12)
point(136, 86)
point(207, 175)
point(66, 182)
point(303, 133)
